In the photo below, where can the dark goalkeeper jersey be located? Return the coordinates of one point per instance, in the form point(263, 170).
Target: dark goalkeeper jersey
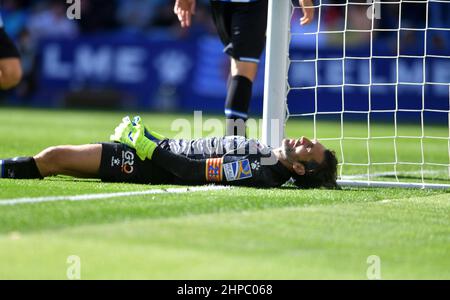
point(229, 160)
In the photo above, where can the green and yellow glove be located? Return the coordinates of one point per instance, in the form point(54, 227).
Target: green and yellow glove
point(151, 135)
point(132, 134)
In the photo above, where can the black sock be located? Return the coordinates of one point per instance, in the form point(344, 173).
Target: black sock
point(237, 104)
point(19, 168)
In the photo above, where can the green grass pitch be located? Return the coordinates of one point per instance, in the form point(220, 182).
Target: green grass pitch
point(241, 233)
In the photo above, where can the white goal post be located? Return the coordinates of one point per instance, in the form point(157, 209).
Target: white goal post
point(395, 146)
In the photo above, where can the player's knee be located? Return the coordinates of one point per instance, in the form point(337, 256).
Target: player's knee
point(51, 160)
point(10, 75)
point(9, 80)
point(15, 76)
point(245, 69)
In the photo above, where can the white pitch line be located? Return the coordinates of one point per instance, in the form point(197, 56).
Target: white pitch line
point(89, 197)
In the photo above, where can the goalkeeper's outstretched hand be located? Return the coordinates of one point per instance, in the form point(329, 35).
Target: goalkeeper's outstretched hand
point(132, 134)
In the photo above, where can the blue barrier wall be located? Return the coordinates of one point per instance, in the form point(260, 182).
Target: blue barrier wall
point(191, 75)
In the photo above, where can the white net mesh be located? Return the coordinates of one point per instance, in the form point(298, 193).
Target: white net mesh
point(371, 80)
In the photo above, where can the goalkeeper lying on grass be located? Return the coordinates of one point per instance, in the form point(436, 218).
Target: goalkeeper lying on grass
point(137, 155)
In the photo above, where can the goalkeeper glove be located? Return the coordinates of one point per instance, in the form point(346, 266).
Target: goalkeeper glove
point(151, 135)
point(134, 137)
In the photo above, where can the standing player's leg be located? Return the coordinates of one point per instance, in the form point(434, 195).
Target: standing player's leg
point(78, 161)
point(239, 95)
point(242, 29)
point(10, 66)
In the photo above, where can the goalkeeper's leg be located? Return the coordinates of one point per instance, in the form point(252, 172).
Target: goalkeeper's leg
point(78, 161)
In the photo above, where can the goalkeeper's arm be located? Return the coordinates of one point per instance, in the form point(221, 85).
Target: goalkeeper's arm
point(229, 170)
point(181, 166)
point(234, 170)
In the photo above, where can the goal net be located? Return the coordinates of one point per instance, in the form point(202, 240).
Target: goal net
point(368, 78)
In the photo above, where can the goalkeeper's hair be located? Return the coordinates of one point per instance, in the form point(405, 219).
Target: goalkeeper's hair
point(324, 175)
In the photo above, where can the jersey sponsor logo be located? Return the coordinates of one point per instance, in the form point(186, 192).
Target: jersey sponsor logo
point(115, 161)
point(214, 169)
point(127, 162)
point(237, 170)
point(256, 165)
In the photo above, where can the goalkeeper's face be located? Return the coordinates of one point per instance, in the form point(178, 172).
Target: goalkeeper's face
point(303, 151)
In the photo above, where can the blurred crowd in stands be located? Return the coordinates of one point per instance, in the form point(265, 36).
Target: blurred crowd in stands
point(35, 19)
point(47, 18)
point(28, 21)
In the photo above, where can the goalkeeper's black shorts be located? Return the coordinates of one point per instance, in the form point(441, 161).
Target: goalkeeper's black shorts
point(7, 47)
point(242, 28)
point(119, 163)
